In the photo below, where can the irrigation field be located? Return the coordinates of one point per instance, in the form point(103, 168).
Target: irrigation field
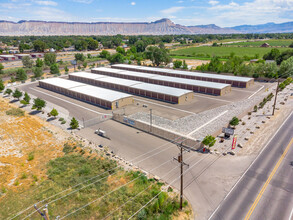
point(273, 43)
point(199, 52)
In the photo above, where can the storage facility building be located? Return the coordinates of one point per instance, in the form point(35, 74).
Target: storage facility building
point(8, 57)
point(243, 82)
point(20, 56)
point(163, 93)
point(194, 85)
point(105, 98)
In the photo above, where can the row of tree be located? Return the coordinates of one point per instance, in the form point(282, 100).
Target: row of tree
point(40, 43)
point(238, 66)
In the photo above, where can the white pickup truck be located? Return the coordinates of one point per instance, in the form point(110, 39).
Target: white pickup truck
point(100, 132)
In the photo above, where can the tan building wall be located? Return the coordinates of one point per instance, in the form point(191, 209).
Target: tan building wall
point(122, 102)
point(226, 90)
point(186, 98)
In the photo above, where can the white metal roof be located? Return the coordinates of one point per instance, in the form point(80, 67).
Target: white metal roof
point(22, 55)
point(100, 93)
point(97, 92)
point(7, 56)
point(126, 72)
point(206, 84)
point(162, 89)
point(193, 82)
point(208, 75)
point(135, 84)
point(87, 75)
point(63, 83)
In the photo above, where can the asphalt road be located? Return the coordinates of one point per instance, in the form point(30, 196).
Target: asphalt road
point(265, 191)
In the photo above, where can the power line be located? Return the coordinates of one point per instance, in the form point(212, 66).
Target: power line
point(112, 191)
point(141, 192)
point(95, 182)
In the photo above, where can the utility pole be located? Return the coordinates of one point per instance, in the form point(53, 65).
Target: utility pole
point(180, 160)
point(44, 214)
point(274, 106)
point(151, 119)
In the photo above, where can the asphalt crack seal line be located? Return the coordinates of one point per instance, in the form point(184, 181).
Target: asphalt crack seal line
point(268, 181)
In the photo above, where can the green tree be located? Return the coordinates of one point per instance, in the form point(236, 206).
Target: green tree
point(1, 68)
point(234, 121)
point(66, 69)
point(286, 68)
point(27, 62)
point(38, 72)
point(26, 99)
point(54, 69)
point(81, 45)
point(74, 123)
point(157, 55)
point(39, 45)
point(291, 45)
point(2, 87)
point(54, 113)
point(84, 64)
point(8, 92)
point(92, 44)
point(17, 94)
point(79, 56)
point(120, 50)
point(209, 141)
point(89, 56)
point(177, 64)
point(272, 55)
point(285, 55)
point(39, 63)
point(116, 58)
point(21, 74)
point(39, 104)
point(50, 58)
point(140, 46)
point(184, 65)
point(104, 54)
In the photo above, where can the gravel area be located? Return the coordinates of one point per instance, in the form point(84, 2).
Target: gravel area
point(200, 121)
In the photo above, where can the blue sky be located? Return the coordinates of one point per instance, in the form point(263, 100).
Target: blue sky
point(225, 13)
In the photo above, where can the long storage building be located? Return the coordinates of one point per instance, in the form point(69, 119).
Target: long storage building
point(236, 81)
point(194, 85)
point(163, 93)
point(105, 98)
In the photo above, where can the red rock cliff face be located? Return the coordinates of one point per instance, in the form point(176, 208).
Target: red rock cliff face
point(161, 27)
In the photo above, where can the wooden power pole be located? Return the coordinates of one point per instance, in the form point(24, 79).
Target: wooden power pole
point(44, 214)
point(180, 160)
point(274, 106)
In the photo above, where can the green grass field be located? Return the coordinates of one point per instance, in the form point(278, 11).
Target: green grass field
point(222, 51)
point(274, 43)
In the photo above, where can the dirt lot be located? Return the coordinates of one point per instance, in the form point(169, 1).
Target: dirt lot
point(27, 144)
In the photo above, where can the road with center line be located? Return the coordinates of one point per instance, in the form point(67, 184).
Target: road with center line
point(265, 191)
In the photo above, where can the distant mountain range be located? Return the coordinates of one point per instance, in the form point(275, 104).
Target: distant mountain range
point(160, 27)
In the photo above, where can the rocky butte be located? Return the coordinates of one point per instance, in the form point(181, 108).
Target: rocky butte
point(160, 27)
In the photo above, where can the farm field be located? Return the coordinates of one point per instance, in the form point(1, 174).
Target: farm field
point(273, 43)
point(222, 51)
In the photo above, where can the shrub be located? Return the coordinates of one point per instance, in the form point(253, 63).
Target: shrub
point(234, 121)
point(61, 119)
point(24, 176)
point(63, 122)
point(74, 123)
point(255, 108)
point(15, 112)
point(31, 156)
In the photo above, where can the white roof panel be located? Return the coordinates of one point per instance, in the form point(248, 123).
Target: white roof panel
point(63, 83)
point(199, 74)
point(100, 93)
point(172, 79)
point(7, 56)
point(135, 84)
point(162, 89)
point(88, 75)
point(193, 82)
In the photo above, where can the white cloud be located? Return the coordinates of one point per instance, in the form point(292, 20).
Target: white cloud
point(255, 12)
point(171, 10)
point(133, 3)
point(180, 1)
point(84, 1)
point(46, 3)
point(213, 2)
